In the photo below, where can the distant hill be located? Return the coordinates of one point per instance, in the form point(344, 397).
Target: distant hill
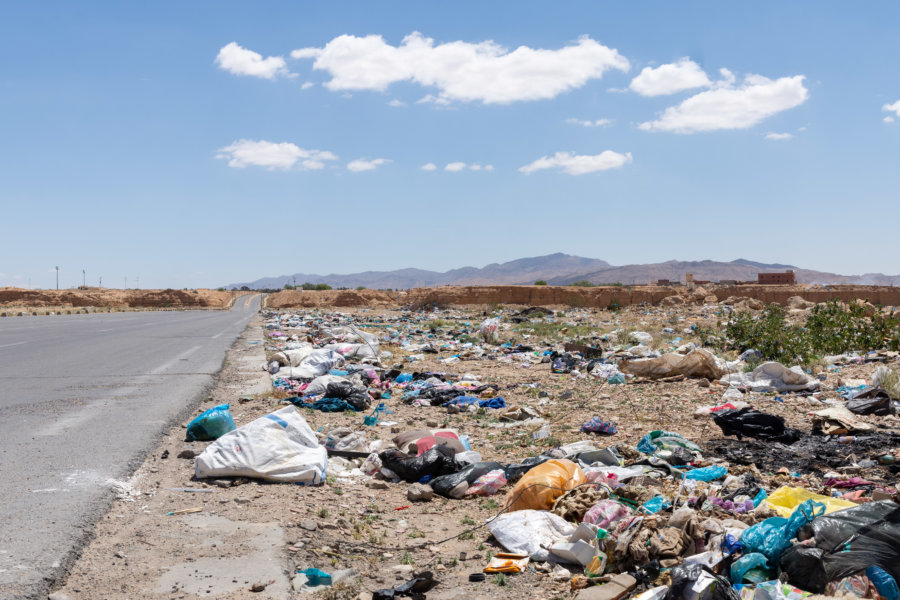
point(563, 269)
point(520, 271)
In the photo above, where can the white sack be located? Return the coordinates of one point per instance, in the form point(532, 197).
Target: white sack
point(278, 447)
point(773, 377)
point(293, 357)
point(317, 363)
point(530, 532)
point(354, 350)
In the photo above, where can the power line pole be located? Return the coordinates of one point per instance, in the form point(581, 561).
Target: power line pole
point(57, 277)
point(100, 283)
point(83, 278)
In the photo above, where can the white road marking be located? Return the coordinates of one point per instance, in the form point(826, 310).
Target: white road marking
point(14, 344)
point(168, 364)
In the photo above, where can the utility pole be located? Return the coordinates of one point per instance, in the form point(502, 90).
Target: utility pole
point(83, 278)
point(100, 283)
point(57, 277)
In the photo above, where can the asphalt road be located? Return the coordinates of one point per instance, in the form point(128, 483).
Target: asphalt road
point(82, 399)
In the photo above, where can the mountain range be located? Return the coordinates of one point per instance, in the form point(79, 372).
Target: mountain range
point(564, 269)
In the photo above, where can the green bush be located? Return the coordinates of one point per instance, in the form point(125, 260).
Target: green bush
point(582, 283)
point(540, 282)
point(830, 328)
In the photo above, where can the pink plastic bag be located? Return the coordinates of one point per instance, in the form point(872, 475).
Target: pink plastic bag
point(606, 513)
point(488, 484)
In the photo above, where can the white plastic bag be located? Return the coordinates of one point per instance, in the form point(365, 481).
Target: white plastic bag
point(278, 447)
point(530, 532)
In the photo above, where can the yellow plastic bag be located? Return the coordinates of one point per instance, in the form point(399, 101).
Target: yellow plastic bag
point(504, 562)
point(541, 486)
point(785, 499)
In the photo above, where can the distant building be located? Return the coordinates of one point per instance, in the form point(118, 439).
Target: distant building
point(786, 278)
point(667, 282)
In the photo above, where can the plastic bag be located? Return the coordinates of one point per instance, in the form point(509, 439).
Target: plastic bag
point(488, 484)
point(434, 463)
point(658, 440)
point(606, 513)
point(692, 582)
point(755, 424)
point(278, 447)
point(884, 583)
point(489, 330)
point(849, 541)
point(541, 486)
point(707, 473)
point(415, 588)
point(745, 563)
point(211, 424)
point(871, 401)
point(455, 485)
point(773, 536)
point(786, 499)
point(530, 532)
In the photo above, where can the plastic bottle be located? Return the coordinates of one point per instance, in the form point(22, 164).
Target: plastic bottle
point(542, 433)
point(847, 439)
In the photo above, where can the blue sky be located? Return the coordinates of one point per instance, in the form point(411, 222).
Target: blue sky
point(202, 143)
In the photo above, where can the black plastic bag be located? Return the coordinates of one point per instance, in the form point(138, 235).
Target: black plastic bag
point(871, 401)
point(439, 460)
point(684, 576)
point(354, 395)
point(755, 424)
point(514, 471)
point(415, 588)
point(445, 484)
point(849, 540)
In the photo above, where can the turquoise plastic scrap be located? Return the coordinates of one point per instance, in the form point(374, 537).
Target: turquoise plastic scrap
point(759, 497)
point(707, 473)
point(773, 536)
point(211, 424)
point(315, 577)
point(655, 504)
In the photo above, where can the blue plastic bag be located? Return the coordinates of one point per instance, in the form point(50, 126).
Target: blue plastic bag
point(773, 536)
point(403, 378)
point(745, 563)
point(884, 583)
point(211, 424)
point(707, 473)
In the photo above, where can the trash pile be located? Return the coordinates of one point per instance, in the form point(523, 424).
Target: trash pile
point(597, 456)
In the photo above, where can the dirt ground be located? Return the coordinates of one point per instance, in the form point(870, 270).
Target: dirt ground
point(248, 532)
point(16, 300)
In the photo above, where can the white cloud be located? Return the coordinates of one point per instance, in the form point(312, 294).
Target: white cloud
point(576, 164)
point(366, 165)
point(306, 85)
point(241, 61)
point(894, 108)
point(429, 167)
point(272, 155)
point(462, 71)
point(455, 166)
point(589, 123)
point(730, 107)
point(670, 78)
point(396, 103)
point(779, 136)
point(488, 168)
